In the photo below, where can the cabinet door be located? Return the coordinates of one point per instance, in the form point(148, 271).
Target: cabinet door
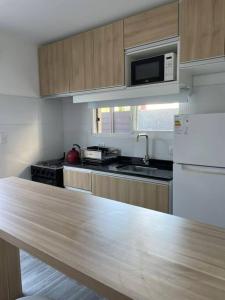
point(202, 29)
point(54, 68)
point(77, 79)
point(109, 55)
point(140, 193)
point(89, 59)
point(149, 195)
point(152, 25)
point(43, 70)
point(74, 178)
point(110, 187)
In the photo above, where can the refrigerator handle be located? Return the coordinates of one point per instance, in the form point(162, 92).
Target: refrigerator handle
point(203, 169)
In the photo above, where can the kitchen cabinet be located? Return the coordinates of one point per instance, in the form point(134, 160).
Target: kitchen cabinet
point(152, 25)
point(202, 29)
point(98, 58)
point(108, 55)
point(82, 62)
point(54, 68)
point(110, 187)
point(77, 178)
point(90, 60)
point(136, 192)
point(77, 76)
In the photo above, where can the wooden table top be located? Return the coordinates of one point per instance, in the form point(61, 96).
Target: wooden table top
point(121, 251)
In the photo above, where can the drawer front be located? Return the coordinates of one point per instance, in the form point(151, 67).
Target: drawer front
point(136, 192)
point(110, 187)
point(79, 179)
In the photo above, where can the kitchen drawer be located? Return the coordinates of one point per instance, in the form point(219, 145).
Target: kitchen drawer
point(132, 191)
point(77, 178)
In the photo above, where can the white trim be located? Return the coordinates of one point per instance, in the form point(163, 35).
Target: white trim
point(139, 93)
point(78, 190)
point(206, 66)
point(77, 169)
point(209, 79)
point(158, 44)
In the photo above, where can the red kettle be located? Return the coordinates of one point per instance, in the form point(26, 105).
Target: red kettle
point(73, 156)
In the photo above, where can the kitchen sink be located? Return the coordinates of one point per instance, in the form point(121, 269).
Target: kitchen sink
point(137, 169)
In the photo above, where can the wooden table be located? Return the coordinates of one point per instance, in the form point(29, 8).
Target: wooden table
point(119, 250)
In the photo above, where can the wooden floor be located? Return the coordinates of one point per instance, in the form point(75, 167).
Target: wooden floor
point(40, 279)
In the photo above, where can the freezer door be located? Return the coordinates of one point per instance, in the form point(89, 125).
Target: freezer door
point(199, 193)
point(200, 139)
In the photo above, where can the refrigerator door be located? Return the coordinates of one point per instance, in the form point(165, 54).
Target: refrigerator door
point(199, 193)
point(200, 139)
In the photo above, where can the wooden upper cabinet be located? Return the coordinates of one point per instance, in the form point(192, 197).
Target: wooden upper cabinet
point(54, 68)
point(77, 76)
point(82, 62)
point(88, 37)
point(109, 55)
point(43, 54)
point(202, 29)
point(98, 58)
point(150, 26)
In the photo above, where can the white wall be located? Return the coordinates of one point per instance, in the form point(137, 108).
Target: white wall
point(30, 128)
point(18, 66)
point(77, 124)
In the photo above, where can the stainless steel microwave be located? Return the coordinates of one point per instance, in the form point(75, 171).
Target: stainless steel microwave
point(154, 69)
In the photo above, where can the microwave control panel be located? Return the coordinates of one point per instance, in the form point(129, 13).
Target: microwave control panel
point(170, 66)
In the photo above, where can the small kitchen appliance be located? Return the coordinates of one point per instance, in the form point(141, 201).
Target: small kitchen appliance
point(154, 69)
point(100, 155)
point(73, 156)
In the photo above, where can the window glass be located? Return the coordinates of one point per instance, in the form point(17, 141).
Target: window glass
point(150, 117)
point(104, 120)
point(122, 119)
point(156, 117)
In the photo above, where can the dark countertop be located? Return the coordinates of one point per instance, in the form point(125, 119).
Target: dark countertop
point(163, 171)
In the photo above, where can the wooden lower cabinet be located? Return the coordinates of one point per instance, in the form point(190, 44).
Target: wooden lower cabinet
point(77, 178)
point(136, 192)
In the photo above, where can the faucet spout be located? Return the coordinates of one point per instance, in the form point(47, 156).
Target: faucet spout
point(146, 159)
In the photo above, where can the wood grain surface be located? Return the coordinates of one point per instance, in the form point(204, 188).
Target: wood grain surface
point(151, 25)
point(202, 29)
point(10, 277)
point(135, 192)
point(121, 251)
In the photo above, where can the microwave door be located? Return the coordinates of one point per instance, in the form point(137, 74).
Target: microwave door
point(147, 70)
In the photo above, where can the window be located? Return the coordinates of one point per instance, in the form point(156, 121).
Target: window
point(113, 120)
point(126, 119)
point(156, 117)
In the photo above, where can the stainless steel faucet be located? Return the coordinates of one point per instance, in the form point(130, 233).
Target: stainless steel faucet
point(146, 159)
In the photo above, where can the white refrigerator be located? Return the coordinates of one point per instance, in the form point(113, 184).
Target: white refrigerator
point(199, 168)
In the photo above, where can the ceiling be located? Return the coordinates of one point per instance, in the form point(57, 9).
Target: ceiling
point(43, 21)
